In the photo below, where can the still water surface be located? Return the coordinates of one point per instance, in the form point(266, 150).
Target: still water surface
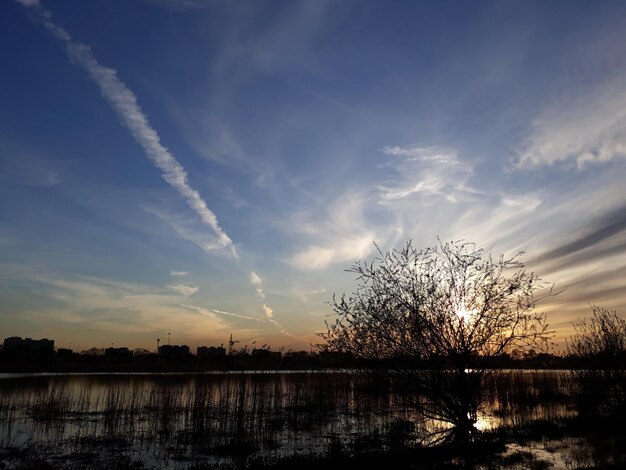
point(229, 418)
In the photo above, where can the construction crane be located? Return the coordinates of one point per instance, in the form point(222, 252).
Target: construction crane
point(231, 344)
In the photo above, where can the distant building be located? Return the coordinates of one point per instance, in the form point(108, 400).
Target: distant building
point(28, 346)
point(298, 358)
point(173, 351)
point(263, 353)
point(336, 357)
point(93, 352)
point(65, 353)
point(142, 352)
point(118, 354)
point(211, 352)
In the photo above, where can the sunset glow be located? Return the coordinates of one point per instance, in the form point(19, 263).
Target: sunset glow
point(465, 314)
point(212, 168)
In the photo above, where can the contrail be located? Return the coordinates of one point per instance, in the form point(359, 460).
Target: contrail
point(221, 312)
point(124, 103)
point(256, 281)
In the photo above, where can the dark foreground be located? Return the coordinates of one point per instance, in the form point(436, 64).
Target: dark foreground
point(530, 420)
point(544, 445)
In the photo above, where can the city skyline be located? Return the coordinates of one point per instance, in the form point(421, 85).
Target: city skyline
point(209, 168)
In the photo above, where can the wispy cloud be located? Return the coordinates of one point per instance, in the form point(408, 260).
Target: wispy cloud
point(348, 248)
point(427, 171)
point(305, 295)
point(124, 103)
point(255, 280)
point(268, 311)
point(212, 311)
point(182, 289)
point(343, 232)
point(179, 5)
point(412, 181)
point(282, 41)
point(587, 128)
point(610, 224)
point(102, 306)
point(189, 227)
point(178, 273)
point(53, 178)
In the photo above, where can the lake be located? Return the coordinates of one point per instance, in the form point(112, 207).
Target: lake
point(233, 419)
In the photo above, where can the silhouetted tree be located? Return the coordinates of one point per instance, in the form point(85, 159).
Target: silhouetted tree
point(434, 317)
point(600, 345)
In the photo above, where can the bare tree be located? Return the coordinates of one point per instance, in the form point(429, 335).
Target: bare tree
point(600, 345)
point(436, 316)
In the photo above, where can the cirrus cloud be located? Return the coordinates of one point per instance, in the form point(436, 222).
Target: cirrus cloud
point(585, 129)
point(181, 289)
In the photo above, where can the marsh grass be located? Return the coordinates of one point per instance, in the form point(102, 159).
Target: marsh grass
point(233, 421)
point(521, 397)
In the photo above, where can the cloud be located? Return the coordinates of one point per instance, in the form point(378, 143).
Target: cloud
point(586, 129)
point(344, 231)
point(124, 103)
point(40, 177)
point(588, 256)
point(178, 273)
point(29, 165)
point(179, 5)
point(120, 315)
point(101, 306)
point(428, 171)
point(53, 178)
point(28, 3)
point(304, 295)
point(289, 31)
point(413, 182)
point(211, 311)
point(189, 227)
point(269, 313)
point(45, 16)
point(607, 226)
point(595, 246)
point(185, 291)
point(256, 281)
point(346, 249)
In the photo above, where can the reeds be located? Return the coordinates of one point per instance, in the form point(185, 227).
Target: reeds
point(229, 419)
point(519, 397)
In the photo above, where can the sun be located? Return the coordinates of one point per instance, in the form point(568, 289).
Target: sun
point(465, 314)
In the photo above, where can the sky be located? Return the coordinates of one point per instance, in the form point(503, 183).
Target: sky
point(202, 168)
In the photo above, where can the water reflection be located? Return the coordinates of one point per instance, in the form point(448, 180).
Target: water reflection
point(235, 418)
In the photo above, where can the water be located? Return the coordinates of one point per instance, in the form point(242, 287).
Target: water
point(234, 418)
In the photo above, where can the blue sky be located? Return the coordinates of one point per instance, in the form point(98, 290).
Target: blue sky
point(203, 167)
